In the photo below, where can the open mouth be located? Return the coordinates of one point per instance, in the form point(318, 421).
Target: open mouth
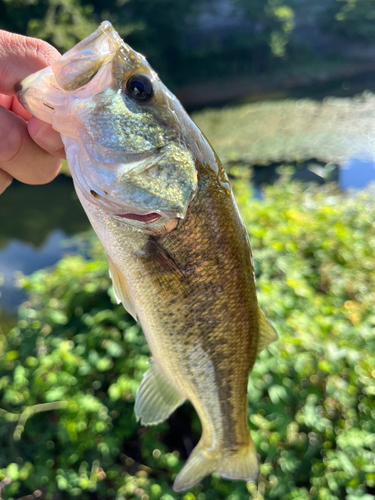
point(141, 218)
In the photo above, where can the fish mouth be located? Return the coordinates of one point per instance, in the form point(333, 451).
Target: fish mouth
point(109, 198)
point(124, 198)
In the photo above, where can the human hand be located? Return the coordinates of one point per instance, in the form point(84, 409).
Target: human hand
point(30, 150)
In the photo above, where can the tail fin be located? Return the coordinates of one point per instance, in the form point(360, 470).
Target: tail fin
point(240, 465)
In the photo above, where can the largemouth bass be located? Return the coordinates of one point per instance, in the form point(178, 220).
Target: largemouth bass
point(178, 252)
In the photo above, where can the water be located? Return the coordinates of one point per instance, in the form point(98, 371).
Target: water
point(35, 223)
point(356, 174)
point(25, 258)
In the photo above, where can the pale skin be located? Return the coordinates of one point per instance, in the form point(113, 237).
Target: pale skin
point(30, 150)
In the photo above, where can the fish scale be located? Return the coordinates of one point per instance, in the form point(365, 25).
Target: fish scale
point(178, 252)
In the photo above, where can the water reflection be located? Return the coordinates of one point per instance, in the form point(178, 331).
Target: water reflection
point(352, 174)
point(35, 223)
point(32, 213)
point(356, 174)
point(25, 257)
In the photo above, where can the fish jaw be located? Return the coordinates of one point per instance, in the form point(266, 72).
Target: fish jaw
point(103, 186)
point(31, 93)
point(122, 156)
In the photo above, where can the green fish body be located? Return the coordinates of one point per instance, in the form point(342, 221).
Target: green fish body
point(178, 252)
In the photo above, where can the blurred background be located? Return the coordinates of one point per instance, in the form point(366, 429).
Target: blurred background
point(283, 91)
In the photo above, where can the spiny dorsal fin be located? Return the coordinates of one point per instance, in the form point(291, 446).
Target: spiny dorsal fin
point(156, 398)
point(267, 333)
point(120, 288)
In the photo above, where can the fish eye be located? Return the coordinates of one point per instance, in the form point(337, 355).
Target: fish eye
point(139, 88)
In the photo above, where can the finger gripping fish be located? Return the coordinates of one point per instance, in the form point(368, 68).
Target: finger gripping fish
point(178, 253)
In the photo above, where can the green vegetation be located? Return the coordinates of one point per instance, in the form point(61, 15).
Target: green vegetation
point(168, 31)
point(194, 40)
point(70, 368)
point(351, 19)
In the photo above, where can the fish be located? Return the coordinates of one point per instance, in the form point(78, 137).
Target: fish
point(179, 255)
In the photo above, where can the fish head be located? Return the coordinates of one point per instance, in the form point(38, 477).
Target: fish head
point(130, 145)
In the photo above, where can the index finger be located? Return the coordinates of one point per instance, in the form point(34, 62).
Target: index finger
point(12, 103)
point(20, 56)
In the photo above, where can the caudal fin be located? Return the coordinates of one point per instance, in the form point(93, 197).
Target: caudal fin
point(240, 465)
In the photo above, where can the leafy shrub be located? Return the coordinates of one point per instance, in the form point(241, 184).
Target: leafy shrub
point(353, 20)
point(180, 37)
point(70, 368)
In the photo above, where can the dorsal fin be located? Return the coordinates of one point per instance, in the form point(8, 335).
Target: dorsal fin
point(120, 288)
point(267, 333)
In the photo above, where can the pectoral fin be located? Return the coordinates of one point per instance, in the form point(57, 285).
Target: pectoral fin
point(267, 333)
point(120, 288)
point(163, 268)
point(156, 398)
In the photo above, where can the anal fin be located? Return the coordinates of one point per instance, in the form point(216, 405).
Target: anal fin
point(267, 333)
point(199, 465)
point(120, 288)
point(156, 398)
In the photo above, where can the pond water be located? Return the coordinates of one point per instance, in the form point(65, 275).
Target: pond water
point(36, 222)
point(356, 174)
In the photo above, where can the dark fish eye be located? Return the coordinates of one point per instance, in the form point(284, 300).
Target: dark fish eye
point(139, 88)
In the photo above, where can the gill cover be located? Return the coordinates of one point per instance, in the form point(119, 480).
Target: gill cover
point(125, 155)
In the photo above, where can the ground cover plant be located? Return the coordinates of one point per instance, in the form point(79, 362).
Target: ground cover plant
point(70, 369)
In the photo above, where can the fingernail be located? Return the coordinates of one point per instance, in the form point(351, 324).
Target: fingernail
point(17, 87)
point(49, 137)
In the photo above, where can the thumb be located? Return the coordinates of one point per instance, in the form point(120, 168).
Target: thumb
point(46, 137)
point(20, 56)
